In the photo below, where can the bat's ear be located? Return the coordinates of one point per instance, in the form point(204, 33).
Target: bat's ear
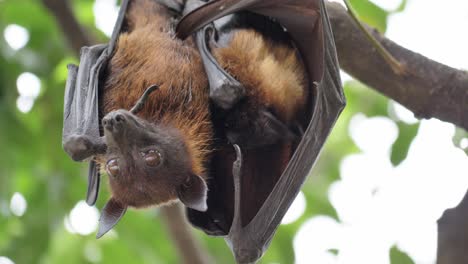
point(193, 193)
point(110, 216)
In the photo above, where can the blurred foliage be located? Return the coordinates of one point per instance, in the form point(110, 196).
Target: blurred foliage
point(373, 14)
point(33, 163)
point(396, 256)
point(460, 136)
point(401, 146)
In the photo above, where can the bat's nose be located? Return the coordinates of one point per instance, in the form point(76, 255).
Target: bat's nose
point(113, 120)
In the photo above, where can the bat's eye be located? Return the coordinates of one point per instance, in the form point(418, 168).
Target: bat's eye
point(112, 167)
point(152, 158)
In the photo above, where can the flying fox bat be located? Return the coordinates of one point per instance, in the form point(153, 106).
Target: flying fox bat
point(239, 116)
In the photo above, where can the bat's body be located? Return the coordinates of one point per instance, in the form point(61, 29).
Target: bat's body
point(178, 114)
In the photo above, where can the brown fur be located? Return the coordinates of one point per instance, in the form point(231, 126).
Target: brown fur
point(271, 73)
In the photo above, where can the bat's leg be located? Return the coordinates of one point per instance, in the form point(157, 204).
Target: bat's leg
point(80, 147)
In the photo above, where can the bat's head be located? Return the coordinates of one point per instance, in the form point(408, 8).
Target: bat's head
point(148, 164)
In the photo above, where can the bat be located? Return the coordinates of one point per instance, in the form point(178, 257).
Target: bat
point(262, 192)
point(230, 142)
point(155, 153)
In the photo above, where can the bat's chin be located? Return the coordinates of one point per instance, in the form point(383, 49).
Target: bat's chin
point(146, 201)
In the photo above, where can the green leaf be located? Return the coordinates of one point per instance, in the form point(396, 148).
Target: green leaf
point(460, 135)
point(401, 146)
point(371, 14)
point(399, 257)
point(401, 7)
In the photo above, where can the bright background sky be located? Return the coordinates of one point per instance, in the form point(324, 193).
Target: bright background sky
point(379, 206)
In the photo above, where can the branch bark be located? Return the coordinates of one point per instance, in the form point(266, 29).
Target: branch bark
point(428, 88)
point(180, 231)
point(75, 34)
point(453, 235)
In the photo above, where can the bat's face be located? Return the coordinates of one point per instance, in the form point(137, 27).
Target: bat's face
point(148, 164)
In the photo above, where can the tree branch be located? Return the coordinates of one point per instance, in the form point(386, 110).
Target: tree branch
point(182, 236)
point(428, 88)
point(75, 34)
point(453, 235)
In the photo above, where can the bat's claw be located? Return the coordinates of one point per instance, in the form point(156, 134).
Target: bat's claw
point(93, 183)
point(236, 168)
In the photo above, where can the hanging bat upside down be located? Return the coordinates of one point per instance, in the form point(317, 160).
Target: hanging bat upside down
point(244, 83)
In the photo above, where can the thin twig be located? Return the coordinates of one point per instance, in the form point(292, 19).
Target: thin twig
point(397, 67)
point(75, 34)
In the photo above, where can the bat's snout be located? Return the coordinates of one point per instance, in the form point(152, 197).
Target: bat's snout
point(114, 121)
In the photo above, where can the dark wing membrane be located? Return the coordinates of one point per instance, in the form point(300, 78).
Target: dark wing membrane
point(308, 25)
point(81, 116)
point(119, 27)
point(81, 105)
point(81, 113)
